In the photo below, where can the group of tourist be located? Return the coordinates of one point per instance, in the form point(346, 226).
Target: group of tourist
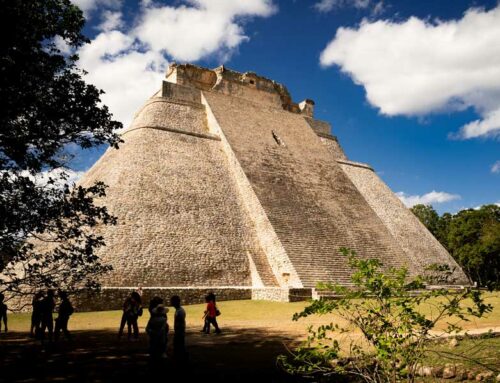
point(158, 328)
point(42, 321)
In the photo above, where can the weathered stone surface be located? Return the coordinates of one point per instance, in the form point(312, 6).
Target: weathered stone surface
point(471, 375)
point(181, 221)
point(449, 371)
point(486, 375)
point(312, 205)
point(224, 183)
point(418, 243)
point(437, 371)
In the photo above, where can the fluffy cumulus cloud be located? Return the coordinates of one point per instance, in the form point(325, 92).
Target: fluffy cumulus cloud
point(495, 168)
point(192, 32)
point(433, 197)
point(416, 67)
point(129, 62)
point(87, 6)
point(128, 75)
point(111, 20)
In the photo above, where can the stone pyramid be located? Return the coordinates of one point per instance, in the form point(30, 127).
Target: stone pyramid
point(224, 184)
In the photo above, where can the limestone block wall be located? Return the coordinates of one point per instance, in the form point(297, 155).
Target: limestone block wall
point(180, 93)
point(275, 267)
point(180, 218)
point(417, 242)
point(113, 298)
point(333, 147)
point(249, 92)
point(167, 113)
point(312, 205)
point(319, 126)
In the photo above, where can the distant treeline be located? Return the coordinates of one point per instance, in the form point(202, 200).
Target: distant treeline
point(471, 236)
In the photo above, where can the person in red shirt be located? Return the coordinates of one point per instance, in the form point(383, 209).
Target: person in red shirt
point(211, 315)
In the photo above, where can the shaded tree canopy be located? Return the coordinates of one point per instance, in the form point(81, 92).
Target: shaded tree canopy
point(472, 237)
point(47, 107)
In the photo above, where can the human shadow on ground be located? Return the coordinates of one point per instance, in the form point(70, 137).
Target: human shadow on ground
point(237, 355)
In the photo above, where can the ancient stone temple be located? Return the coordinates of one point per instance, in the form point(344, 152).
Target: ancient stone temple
point(224, 184)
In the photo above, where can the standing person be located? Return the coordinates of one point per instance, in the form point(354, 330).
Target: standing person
point(3, 313)
point(36, 314)
point(155, 301)
point(65, 311)
point(179, 328)
point(157, 330)
point(126, 305)
point(139, 290)
point(134, 311)
point(47, 308)
point(211, 314)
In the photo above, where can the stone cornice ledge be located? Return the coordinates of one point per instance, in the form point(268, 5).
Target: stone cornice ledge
point(208, 136)
point(357, 164)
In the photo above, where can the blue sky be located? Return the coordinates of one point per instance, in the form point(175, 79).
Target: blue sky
point(412, 88)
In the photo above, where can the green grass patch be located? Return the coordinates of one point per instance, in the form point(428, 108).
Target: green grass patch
point(277, 315)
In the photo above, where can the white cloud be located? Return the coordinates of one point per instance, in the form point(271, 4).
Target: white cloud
point(129, 64)
point(489, 125)
point(329, 5)
point(62, 45)
point(87, 6)
point(333, 5)
point(71, 176)
point(128, 75)
point(111, 20)
point(495, 168)
point(418, 67)
point(427, 199)
point(59, 176)
point(206, 27)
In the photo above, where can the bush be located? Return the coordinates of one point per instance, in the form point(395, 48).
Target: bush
point(384, 307)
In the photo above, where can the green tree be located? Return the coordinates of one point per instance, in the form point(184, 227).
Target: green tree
point(443, 228)
point(47, 106)
point(474, 241)
point(428, 216)
point(381, 306)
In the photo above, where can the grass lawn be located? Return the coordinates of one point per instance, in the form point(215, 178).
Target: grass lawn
point(276, 316)
point(254, 333)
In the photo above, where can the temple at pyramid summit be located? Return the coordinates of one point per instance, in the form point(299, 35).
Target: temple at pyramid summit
point(223, 183)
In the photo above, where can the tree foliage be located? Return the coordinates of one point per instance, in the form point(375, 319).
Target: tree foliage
point(428, 216)
point(474, 241)
point(383, 308)
point(46, 107)
point(472, 237)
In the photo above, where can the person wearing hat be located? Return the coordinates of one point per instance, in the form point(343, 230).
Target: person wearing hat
point(157, 330)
